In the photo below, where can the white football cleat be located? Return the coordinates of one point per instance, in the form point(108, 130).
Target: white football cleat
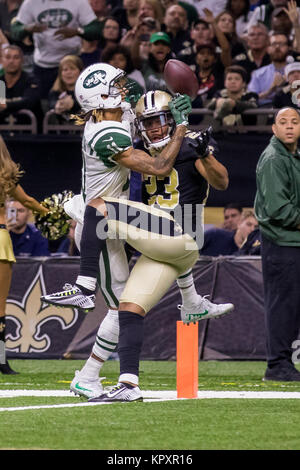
point(204, 310)
point(86, 388)
point(72, 297)
point(120, 393)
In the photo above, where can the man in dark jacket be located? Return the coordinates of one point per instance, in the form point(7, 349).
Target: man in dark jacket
point(21, 89)
point(277, 207)
point(27, 240)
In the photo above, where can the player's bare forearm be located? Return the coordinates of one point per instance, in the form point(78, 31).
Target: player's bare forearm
point(165, 160)
point(140, 161)
point(214, 172)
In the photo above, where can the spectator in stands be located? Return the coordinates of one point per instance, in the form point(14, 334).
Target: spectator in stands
point(138, 37)
point(263, 13)
point(232, 216)
point(202, 35)
point(277, 208)
point(225, 21)
point(3, 44)
point(26, 238)
point(240, 10)
point(176, 26)
point(210, 73)
point(289, 95)
point(8, 10)
point(22, 90)
point(266, 80)
point(68, 247)
point(256, 55)
point(234, 99)
point(62, 96)
point(151, 9)
point(252, 246)
point(216, 6)
point(127, 15)
point(91, 50)
point(56, 33)
point(221, 38)
point(119, 56)
point(153, 67)
point(218, 241)
point(111, 32)
point(280, 22)
point(101, 8)
point(191, 11)
point(292, 14)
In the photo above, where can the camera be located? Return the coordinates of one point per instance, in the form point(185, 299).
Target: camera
point(11, 214)
point(144, 37)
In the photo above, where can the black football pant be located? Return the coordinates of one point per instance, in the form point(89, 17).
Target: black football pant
point(281, 275)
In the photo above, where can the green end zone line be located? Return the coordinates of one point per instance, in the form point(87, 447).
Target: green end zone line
point(149, 396)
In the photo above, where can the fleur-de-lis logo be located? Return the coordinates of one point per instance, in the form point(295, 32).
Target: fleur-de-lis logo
point(30, 315)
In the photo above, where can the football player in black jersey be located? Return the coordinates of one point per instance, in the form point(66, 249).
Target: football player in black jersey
point(184, 191)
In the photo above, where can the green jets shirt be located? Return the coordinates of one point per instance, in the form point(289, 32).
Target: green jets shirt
point(277, 201)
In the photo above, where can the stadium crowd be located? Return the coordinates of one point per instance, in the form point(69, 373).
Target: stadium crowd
point(245, 54)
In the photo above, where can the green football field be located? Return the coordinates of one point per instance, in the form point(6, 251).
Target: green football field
point(38, 412)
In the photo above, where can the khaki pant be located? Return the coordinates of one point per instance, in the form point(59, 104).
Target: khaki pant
point(163, 257)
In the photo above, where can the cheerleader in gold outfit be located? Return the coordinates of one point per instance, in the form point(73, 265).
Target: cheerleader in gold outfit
point(9, 188)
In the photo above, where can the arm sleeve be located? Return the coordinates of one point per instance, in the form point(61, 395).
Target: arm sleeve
point(92, 31)
point(17, 30)
point(109, 145)
point(24, 17)
point(273, 180)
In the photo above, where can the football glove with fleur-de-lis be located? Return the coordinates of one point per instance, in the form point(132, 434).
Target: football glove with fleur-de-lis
point(200, 141)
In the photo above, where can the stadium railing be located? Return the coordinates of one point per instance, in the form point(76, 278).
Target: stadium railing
point(263, 122)
point(55, 128)
point(13, 127)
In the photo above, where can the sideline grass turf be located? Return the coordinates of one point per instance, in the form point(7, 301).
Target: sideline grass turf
point(190, 424)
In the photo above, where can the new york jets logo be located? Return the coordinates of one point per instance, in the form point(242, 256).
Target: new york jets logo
point(55, 17)
point(94, 78)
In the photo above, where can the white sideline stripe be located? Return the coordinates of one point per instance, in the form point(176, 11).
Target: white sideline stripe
point(149, 396)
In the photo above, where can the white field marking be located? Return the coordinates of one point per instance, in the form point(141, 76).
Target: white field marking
point(149, 396)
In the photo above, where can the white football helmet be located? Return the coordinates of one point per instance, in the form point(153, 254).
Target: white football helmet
point(152, 115)
point(97, 87)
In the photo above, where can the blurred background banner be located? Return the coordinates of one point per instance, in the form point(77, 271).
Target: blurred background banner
point(36, 330)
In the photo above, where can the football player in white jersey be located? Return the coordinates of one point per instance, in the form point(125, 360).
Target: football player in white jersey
point(103, 143)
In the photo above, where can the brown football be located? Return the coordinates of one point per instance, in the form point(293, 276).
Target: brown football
point(180, 78)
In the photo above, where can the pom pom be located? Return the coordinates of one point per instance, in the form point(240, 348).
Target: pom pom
point(55, 224)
